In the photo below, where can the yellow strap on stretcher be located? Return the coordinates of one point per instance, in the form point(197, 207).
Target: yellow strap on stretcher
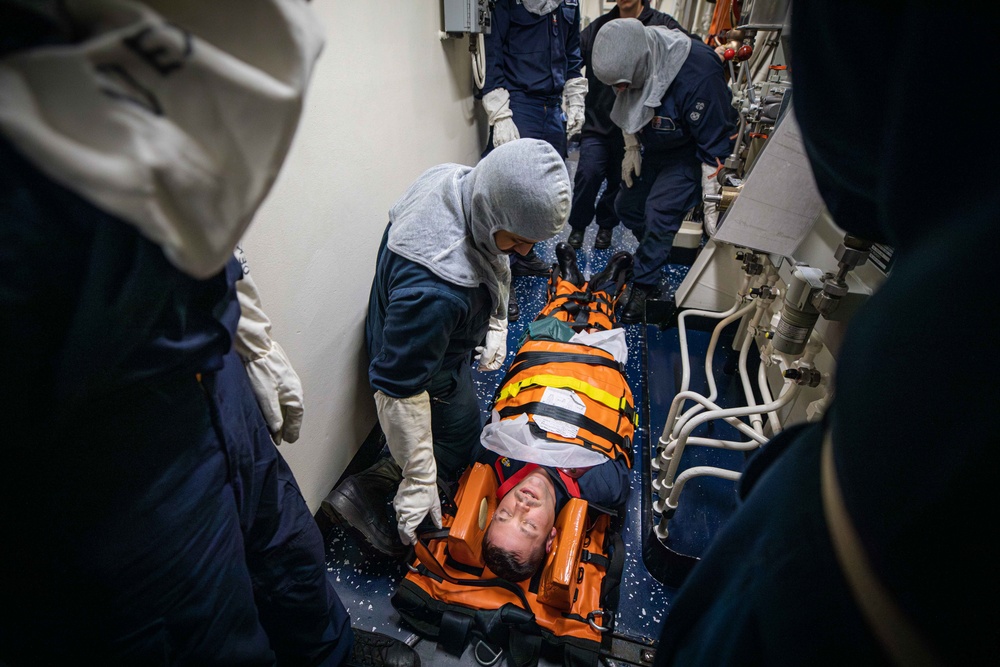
point(617, 403)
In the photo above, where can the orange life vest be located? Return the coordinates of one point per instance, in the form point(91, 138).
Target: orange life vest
point(607, 425)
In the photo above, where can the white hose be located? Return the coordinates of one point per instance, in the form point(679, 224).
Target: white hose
point(709, 374)
point(789, 391)
point(478, 59)
point(682, 336)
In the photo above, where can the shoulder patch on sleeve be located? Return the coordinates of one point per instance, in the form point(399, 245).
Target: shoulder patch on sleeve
point(696, 113)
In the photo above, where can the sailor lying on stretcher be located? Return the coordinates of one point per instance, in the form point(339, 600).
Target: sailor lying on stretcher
point(563, 417)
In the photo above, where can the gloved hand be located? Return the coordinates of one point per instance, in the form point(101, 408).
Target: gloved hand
point(275, 383)
point(574, 94)
point(632, 164)
point(279, 393)
point(406, 423)
point(501, 119)
point(491, 355)
point(710, 186)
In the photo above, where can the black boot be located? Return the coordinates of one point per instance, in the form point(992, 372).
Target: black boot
point(362, 503)
point(513, 311)
point(575, 239)
point(603, 239)
point(615, 275)
point(373, 649)
point(529, 265)
point(635, 309)
point(568, 269)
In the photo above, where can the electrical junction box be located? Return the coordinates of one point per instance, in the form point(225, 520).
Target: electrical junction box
point(467, 16)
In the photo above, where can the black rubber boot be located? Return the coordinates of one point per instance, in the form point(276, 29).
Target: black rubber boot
point(363, 503)
point(635, 309)
point(616, 273)
point(575, 239)
point(603, 239)
point(568, 268)
point(373, 649)
point(529, 265)
point(513, 310)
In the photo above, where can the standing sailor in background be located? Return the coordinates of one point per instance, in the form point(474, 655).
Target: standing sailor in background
point(602, 147)
point(440, 289)
point(675, 109)
point(533, 71)
point(149, 517)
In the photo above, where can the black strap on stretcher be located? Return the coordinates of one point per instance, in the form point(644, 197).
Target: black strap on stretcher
point(532, 359)
point(570, 417)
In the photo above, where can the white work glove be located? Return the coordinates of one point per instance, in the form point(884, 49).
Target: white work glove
point(275, 383)
point(501, 119)
point(710, 186)
point(632, 164)
point(491, 355)
point(574, 94)
point(406, 423)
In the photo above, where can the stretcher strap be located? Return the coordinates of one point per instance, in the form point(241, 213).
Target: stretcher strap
point(595, 558)
point(581, 314)
point(525, 360)
point(604, 448)
point(570, 417)
point(616, 403)
point(572, 486)
point(514, 479)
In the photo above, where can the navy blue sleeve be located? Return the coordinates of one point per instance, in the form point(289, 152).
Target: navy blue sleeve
point(574, 55)
point(494, 42)
point(419, 324)
point(607, 484)
point(708, 110)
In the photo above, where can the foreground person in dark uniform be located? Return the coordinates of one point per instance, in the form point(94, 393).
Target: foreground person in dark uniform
point(151, 520)
point(864, 539)
point(440, 291)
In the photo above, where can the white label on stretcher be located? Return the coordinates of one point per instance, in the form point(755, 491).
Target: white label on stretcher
point(567, 400)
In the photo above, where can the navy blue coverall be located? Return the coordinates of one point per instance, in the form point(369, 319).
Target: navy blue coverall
point(694, 125)
point(421, 332)
point(148, 516)
point(601, 145)
point(532, 57)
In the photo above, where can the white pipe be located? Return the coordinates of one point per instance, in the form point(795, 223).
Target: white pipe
point(749, 335)
point(478, 59)
point(669, 454)
point(661, 530)
point(765, 392)
point(698, 471)
point(789, 392)
point(682, 329)
point(755, 420)
point(733, 445)
point(710, 376)
point(665, 443)
point(732, 421)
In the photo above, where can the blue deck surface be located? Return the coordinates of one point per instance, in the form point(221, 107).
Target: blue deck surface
point(365, 583)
